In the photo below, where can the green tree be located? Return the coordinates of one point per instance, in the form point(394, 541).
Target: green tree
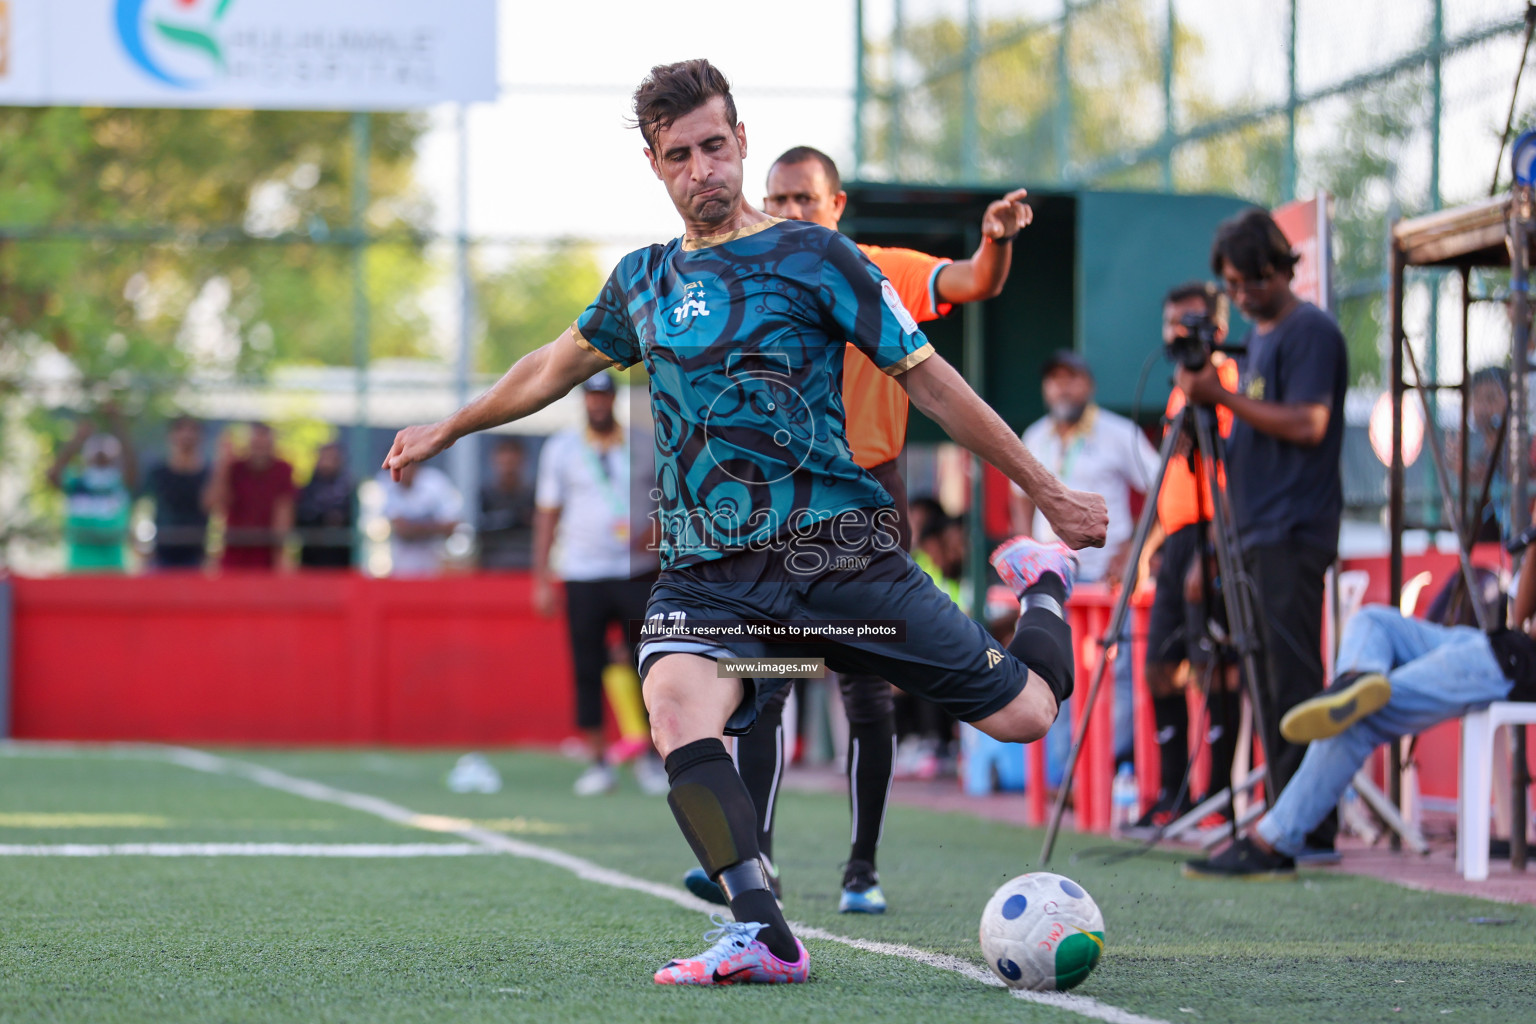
point(533, 299)
point(139, 245)
point(82, 182)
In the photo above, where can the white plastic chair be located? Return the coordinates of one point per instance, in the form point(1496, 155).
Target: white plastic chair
point(1477, 731)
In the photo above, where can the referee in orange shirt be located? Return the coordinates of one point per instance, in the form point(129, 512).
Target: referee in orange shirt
point(803, 184)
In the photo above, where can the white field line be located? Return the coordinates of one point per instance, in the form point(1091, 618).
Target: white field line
point(366, 850)
point(202, 761)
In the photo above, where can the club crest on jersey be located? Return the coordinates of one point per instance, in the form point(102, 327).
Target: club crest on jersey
point(693, 303)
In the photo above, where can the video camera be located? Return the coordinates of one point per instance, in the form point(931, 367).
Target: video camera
point(1192, 349)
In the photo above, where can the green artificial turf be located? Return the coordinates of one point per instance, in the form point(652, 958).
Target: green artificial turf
point(506, 939)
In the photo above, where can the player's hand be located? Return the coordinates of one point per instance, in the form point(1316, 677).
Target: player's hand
point(1007, 216)
point(544, 597)
point(415, 444)
point(1079, 518)
point(1202, 386)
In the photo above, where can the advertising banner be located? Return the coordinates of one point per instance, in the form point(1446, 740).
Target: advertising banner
point(1305, 224)
point(263, 54)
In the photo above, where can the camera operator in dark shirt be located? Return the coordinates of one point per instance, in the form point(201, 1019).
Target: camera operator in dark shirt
point(1282, 465)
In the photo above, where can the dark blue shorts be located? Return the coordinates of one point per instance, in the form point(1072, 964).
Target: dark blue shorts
point(945, 657)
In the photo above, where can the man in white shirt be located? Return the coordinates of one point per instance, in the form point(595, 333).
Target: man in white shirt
point(423, 509)
point(1090, 449)
point(584, 490)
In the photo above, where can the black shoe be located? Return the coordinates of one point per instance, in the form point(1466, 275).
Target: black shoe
point(1351, 697)
point(1160, 815)
point(1243, 860)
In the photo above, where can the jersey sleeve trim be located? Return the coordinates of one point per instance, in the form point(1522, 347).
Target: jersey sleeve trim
point(910, 360)
point(935, 303)
point(582, 342)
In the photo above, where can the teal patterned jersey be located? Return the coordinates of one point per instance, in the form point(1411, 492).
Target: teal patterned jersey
point(743, 336)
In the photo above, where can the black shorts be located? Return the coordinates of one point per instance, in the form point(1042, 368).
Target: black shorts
point(946, 657)
point(1176, 627)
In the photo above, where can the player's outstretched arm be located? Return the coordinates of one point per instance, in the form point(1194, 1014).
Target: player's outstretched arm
point(1079, 517)
point(533, 382)
point(984, 274)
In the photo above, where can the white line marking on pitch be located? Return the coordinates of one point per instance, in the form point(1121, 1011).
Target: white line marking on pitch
point(365, 850)
point(202, 761)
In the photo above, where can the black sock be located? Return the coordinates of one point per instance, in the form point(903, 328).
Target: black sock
point(1171, 714)
point(715, 812)
point(1043, 640)
point(871, 756)
point(1225, 707)
point(759, 756)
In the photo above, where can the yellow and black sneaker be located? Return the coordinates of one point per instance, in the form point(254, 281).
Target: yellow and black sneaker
point(1244, 860)
point(1352, 696)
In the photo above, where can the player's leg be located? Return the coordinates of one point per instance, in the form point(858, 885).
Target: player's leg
point(760, 757)
point(949, 658)
point(689, 708)
point(586, 617)
point(760, 760)
point(1041, 575)
point(871, 762)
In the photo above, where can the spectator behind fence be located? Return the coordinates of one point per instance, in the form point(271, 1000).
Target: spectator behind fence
point(324, 511)
point(255, 496)
point(178, 485)
point(98, 496)
point(423, 508)
point(1282, 469)
point(506, 510)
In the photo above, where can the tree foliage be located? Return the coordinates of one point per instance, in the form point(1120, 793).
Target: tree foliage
point(1036, 125)
point(85, 184)
point(533, 299)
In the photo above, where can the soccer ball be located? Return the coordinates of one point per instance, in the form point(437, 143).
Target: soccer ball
point(1042, 932)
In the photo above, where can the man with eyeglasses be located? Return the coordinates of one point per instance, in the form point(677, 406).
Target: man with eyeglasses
point(1283, 468)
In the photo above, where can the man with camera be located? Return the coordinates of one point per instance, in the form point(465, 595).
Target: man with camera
point(1283, 466)
point(1194, 326)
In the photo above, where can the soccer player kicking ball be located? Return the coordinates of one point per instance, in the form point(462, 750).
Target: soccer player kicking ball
point(803, 184)
point(764, 515)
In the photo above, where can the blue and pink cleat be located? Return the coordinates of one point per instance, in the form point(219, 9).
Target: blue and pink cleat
point(735, 958)
point(1023, 560)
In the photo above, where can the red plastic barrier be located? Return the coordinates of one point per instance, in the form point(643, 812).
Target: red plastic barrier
point(1089, 613)
point(310, 658)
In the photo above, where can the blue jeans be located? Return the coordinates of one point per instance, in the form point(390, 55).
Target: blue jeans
point(1437, 673)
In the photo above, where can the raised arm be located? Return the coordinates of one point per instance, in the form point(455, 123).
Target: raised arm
point(1080, 518)
point(984, 274)
point(533, 382)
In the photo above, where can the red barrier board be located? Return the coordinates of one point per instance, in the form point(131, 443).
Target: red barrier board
point(307, 658)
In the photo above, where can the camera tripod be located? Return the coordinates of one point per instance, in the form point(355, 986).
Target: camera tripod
point(1199, 423)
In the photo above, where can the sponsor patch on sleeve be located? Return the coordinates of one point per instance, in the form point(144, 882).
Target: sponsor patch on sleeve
point(888, 293)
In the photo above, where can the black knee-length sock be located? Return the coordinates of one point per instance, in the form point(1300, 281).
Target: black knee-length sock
point(871, 760)
point(759, 756)
point(1172, 716)
point(1043, 640)
point(715, 812)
